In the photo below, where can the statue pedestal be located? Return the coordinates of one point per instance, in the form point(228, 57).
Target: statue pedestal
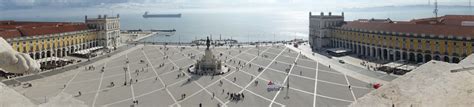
point(224, 69)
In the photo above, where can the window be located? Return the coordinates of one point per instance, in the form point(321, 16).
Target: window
point(428, 45)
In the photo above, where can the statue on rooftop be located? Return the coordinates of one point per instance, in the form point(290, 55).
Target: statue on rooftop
point(15, 62)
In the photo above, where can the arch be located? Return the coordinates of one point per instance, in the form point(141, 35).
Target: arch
point(456, 60)
point(397, 55)
point(427, 57)
point(32, 55)
point(48, 53)
point(363, 50)
point(419, 58)
point(359, 49)
point(58, 53)
point(72, 49)
point(411, 57)
point(437, 57)
point(43, 54)
point(446, 59)
point(384, 54)
point(64, 52)
point(404, 55)
point(37, 55)
point(372, 53)
point(379, 53)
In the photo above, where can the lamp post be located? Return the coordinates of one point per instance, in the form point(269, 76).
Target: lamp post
point(125, 73)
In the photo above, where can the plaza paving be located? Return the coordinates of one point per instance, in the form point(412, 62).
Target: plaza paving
point(311, 84)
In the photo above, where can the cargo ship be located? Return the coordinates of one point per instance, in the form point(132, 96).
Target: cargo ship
point(146, 15)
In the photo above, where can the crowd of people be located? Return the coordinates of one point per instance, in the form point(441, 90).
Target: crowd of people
point(235, 96)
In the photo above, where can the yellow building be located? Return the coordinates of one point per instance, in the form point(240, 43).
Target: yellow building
point(447, 38)
point(44, 40)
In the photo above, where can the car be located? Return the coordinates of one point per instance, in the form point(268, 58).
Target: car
point(341, 61)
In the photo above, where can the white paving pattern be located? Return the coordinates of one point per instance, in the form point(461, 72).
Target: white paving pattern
point(311, 84)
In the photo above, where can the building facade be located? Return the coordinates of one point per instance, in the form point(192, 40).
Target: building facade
point(48, 39)
point(447, 38)
point(108, 29)
point(320, 27)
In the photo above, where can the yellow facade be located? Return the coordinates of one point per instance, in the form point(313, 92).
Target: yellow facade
point(397, 42)
point(54, 42)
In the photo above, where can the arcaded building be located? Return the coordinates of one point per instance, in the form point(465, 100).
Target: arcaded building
point(447, 38)
point(50, 41)
point(46, 39)
point(108, 29)
point(320, 29)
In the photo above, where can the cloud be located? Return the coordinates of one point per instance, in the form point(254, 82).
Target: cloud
point(306, 4)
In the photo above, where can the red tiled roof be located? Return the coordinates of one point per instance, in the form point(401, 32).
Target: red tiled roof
point(52, 29)
point(455, 20)
point(413, 28)
point(10, 29)
point(9, 34)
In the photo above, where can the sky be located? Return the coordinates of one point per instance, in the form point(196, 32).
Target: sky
point(179, 4)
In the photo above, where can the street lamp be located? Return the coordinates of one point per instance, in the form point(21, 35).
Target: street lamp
point(125, 73)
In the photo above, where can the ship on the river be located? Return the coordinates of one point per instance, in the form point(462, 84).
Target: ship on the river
point(146, 15)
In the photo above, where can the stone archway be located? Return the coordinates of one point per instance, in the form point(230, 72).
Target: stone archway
point(385, 54)
point(456, 60)
point(48, 53)
point(58, 53)
point(37, 55)
point(373, 52)
point(437, 57)
point(411, 57)
point(43, 54)
point(73, 49)
point(397, 55)
point(64, 51)
point(427, 57)
point(419, 58)
point(32, 55)
point(364, 50)
point(379, 53)
point(404, 55)
point(446, 59)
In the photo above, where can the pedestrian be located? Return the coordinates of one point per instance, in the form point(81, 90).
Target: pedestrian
point(301, 72)
point(64, 86)
point(222, 91)
point(349, 87)
point(200, 104)
point(79, 93)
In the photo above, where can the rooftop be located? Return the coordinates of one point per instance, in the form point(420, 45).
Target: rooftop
point(12, 29)
point(449, 25)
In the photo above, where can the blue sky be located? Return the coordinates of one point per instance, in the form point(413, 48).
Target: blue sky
point(320, 4)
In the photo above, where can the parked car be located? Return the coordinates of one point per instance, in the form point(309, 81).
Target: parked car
point(341, 61)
